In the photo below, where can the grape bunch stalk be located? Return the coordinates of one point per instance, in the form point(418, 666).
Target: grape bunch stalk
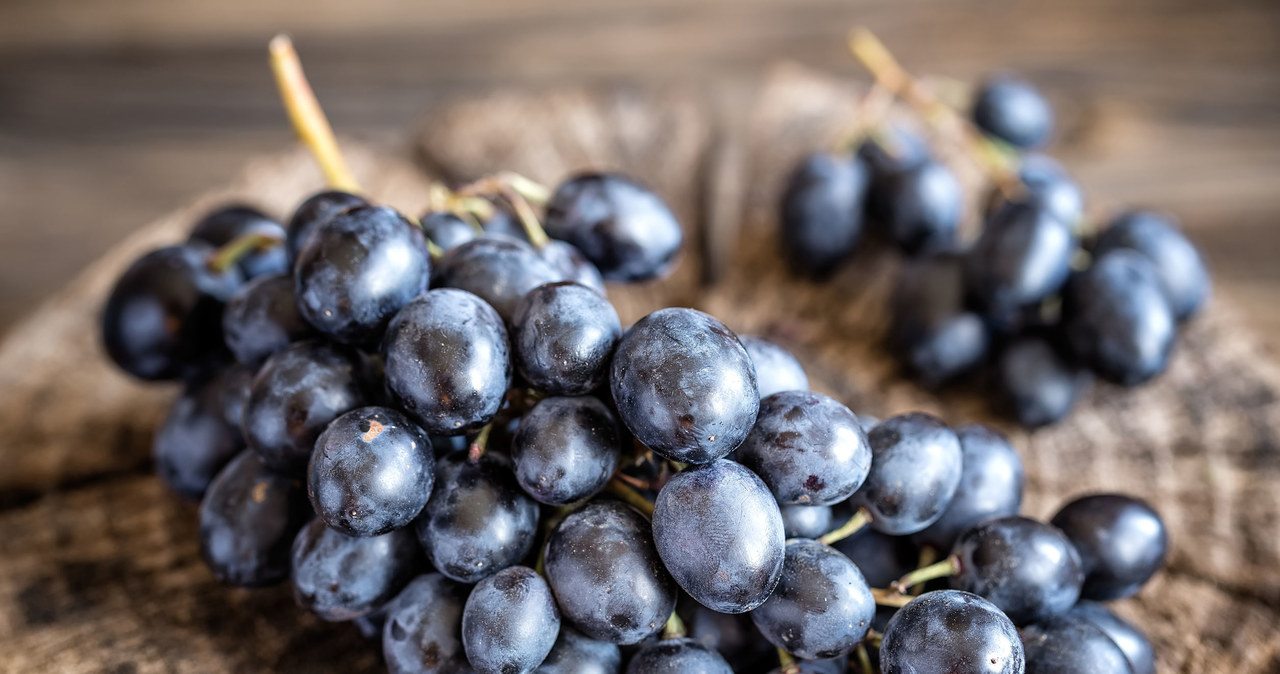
point(436, 428)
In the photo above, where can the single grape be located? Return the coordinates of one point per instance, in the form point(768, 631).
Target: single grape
point(1117, 319)
point(621, 226)
point(950, 631)
point(805, 521)
point(510, 622)
point(576, 653)
point(881, 558)
point(1070, 645)
point(931, 330)
point(497, 269)
point(262, 318)
point(891, 149)
point(423, 629)
point(195, 441)
point(477, 521)
point(571, 265)
point(1046, 184)
point(822, 607)
point(1022, 257)
point(294, 396)
point(922, 207)
point(1122, 542)
point(677, 656)
point(371, 472)
point(719, 533)
point(808, 448)
point(224, 225)
point(1137, 649)
point(821, 219)
point(1039, 383)
point(776, 369)
point(318, 208)
point(1027, 568)
point(566, 449)
point(991, 480)
point(915, 471)
point(447, 361)
point(340, 577)
point(504, 223)
point(446, 230)
point(684, 385)
point(1012, 110)
point(563, 335)
point(163, 317)
point(357, 269)
point(1181, 271)
point(248, 520)
point(733, 636)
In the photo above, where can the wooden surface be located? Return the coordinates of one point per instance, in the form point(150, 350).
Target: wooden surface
point(112, 114)
point(98, 565)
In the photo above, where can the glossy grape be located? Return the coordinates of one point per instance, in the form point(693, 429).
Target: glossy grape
point(776, 369)
point(881, 558)
point(733, 636)
point(262, 318)
point(991, 481)
point(498, 270)
point(446, 230)
point(1022, 257)
point(1067, 645)
point(915, 471)
point(227, 224)
point(195, 440)
point(1029, 569)
point(677, 656)
point(922, 207)
point(1122, 542)
point(1182, 273)
point(1137, 649)
point(822, 606)
point(1012, 110)
point(576, 653)
point(822, 207)
point(805, 521)
point(510, 622)
point(1038, 382)
point(423, 630)
point(931, 329)
point(571, 265)
point(563, 335)
point(1048, 185)
point(318, 208)
point(566, 449)
point(950, 631)
point(340, 577)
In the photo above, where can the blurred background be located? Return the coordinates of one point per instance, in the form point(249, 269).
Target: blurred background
point(112, 114)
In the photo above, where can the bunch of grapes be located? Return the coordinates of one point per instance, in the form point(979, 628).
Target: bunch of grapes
point(437, 429)
point(1040, 300)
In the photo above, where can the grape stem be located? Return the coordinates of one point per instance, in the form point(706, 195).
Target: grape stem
point(860, 519)
point(943, 569)
point(306, 115)
point(928, 555)
point(629, 495)
point(477, 447)
point(232, 251)
point(890, 598)
point(674, 629)
point(788, 663)
point(873, 638)
point(864, 660)
point(870, 115)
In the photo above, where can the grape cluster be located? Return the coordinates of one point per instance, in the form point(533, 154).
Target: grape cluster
point(440, 432)
point(1040, 300)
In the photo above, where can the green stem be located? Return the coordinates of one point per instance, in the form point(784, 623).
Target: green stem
point(864, 660)
point(928, 555)
point(629, 495)
point(855, 524)
point(674, 629)
point(873, 638)
point(528, 188)
point(891, 598)
point(307, 117)
point(788, 663)
point(477, 448)
point(232, 251)
point(946, 568)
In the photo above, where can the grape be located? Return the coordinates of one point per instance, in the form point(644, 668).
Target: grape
point(318, 208)
point(510, 622)
point(822, 209)
point(505, 224)
point(423, 630)
point(1181, 271)
point(1131, 640)
point(575, 653)
point(1022, 257)
point(915, 471)
point(931, 330)
point(477, 521)
point(371, 472)
point(1046, 184)
point(894, 148)
point(499, 270)
point(195, 440)
point(1067, 645)
point(1118, 320)
point(340, 577)
point(950, 631)
point(163, 317)
point(684, 385)
point(227, 224)
point(571, 265)
point(805, 521)
point(293, 398)
point(808, 448)
point(1122, 542)
point(991, 480)
point(619, 225)
point(776, 369)
point(677, 656)
point(1010, 109)
point(566, 449)
point(563, 335)
point(922, 207)
point(262, 318)
point(838, 665)
point(234, 394)
point(822, 607)
point(446, 230)
point(733, 636)
point(719, 533)
point(1038, 382)
point(606, 574)
point(357, 269)
point(248, 519)
point(447, 361)
point(881, 558)
point(370, 624)
point(1029, 569)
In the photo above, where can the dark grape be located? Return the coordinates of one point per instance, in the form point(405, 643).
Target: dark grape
point(677, 656)
point(1048, 185)
point(950, 631)
point(915, 471)
point(808, 448)
point(1022, 257)
point(822, 607)
point(684, 385)
point(733, 636)
point(719, 533)
point(447, 361)
point(1012, 110)
point(575, 653)
point(293, 398)
point(571, 265)
point(1039, 384)
point(1071, 645)
point(563, 335)
point(776, 369)
point(248, 520)
point(931, 330)
point(318, 208)
point(446, 230)
point(805, 521)
point(1181, 271)
point(497, 269)
point(262, 318)
point(227, 224)
point(566, 449)
point(891, 149)
point(922, 207)
point(619, 225)
point(340, 577)
point(510, 622)
point(371, 472)
point(1122, 542)
point(991, 480)
point(195, 440)
point(822, 210)
point(1137, 649)
point(881, 558)
point(236, 382)
point(1027, 568)
point(423, 630)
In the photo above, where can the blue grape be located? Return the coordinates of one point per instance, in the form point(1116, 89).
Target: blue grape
point(566, 449)
point(922, 207)
point(991, 481)
point(571, 265)
point(195, 440)
point(510, 622)
point(340, 577)
point(317, 209)
point(1048, 185)
point(805, 521)
point(1029, 569)
point(498, 270)
point(576, 653)
point(915, 471)
point(1038, 382)
point(776, 369)
point(563, 335)
point(822, 607)
point(1022, 257)
point(677, 656)
point(881, 558)
point(1181, 270)
point(262, 318)
point(1012, 110)
point(446, 230)
point(1137, 649)
point(1122, 542)
point(822, 206)
point(733, 636)
point(951, 631)
point(1071, 645)
point(226, 224)
point(931, 329)
point(423, 629)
